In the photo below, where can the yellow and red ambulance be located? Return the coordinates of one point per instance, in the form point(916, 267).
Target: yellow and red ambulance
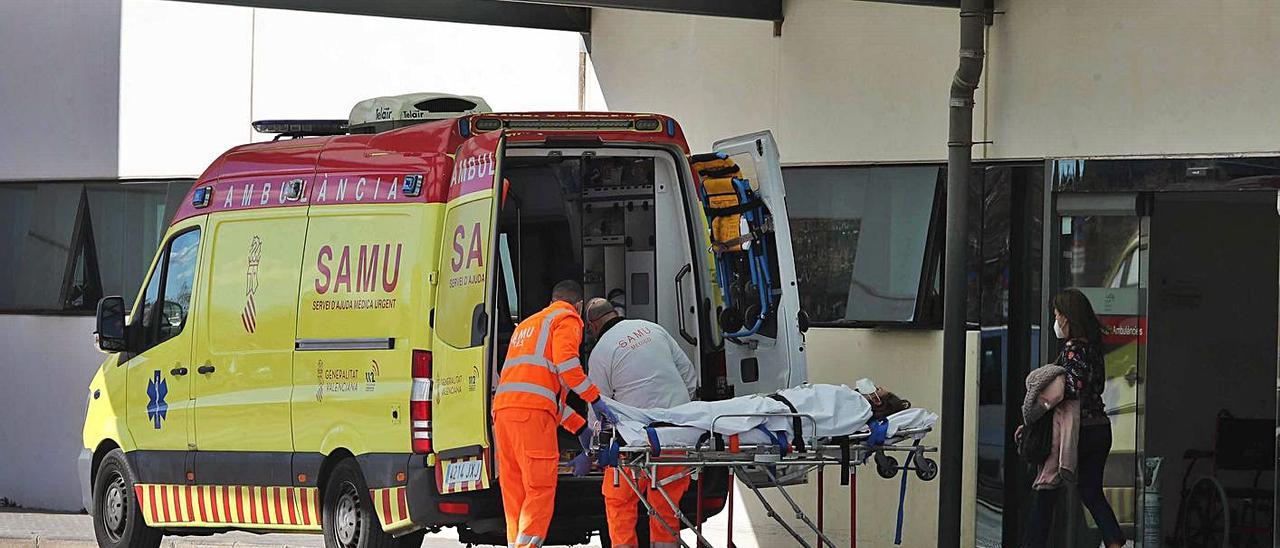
point(317, 341)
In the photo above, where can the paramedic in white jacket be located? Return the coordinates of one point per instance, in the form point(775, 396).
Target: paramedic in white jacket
point(637, 363)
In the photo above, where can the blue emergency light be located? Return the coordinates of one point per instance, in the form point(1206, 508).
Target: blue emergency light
point(412, 185)
point(202, 196)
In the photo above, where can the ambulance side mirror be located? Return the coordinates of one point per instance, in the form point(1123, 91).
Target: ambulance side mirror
point(110, 326)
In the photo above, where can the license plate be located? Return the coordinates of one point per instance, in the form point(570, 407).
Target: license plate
point(456, 473)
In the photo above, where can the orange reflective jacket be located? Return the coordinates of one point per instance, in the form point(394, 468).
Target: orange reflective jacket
point(542, 366)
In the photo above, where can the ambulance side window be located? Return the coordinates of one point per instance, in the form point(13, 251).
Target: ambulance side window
point(167, 300)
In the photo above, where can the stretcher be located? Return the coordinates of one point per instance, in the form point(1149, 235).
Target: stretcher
point(772, 465)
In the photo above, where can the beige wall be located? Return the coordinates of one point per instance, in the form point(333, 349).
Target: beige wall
point(823, 87)
point(717, 76)
point(1108, 77)
point(851, 81)
point(909, 363)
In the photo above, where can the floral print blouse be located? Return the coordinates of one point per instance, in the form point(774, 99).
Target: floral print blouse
point(1086, 375)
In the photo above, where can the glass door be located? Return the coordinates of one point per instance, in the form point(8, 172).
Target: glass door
point(1101, 247)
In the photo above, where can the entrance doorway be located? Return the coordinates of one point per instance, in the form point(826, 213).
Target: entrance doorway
point(1187, 285)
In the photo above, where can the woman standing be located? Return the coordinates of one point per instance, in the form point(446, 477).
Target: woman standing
point(1076, 324)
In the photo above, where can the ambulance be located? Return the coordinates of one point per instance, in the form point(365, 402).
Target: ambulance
point(317, 342)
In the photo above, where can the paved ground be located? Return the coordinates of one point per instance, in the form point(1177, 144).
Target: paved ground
point(28, 530)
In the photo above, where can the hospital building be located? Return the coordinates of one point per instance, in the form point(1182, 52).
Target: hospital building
point(1126, 148)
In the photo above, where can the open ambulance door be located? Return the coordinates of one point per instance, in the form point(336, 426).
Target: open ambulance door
point(763, 338)
point(460, 320)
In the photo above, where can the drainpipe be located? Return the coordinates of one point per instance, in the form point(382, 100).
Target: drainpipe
point(959, 156)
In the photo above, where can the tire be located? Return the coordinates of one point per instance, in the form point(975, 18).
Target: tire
point(117, 517)
point(348, 518)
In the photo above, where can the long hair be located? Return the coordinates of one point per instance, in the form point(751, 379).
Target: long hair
point(1082, 323)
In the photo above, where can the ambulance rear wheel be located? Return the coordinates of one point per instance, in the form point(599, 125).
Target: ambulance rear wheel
point(117, 517)
point(349, 519)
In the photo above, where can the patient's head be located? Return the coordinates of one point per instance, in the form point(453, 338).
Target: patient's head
point(885, 403)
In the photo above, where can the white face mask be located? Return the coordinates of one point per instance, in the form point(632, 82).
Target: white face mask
point(1057, 330)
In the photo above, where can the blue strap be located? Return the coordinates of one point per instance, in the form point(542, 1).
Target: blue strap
point(902, 493)
point(777, 438)
point(879, 432)
point(655, 448)
point(608, 456)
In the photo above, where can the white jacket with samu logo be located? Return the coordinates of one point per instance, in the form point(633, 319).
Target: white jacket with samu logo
point(636, 362)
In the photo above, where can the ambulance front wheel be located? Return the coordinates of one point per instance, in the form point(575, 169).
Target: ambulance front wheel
point(349, 519)
point(117, 518)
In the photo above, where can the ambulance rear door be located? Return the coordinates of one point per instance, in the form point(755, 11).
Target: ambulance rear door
point(773, 357)
point(461, 322)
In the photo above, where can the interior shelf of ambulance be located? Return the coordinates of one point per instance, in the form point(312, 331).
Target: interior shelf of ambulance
point(582, 217)
point(574, 216)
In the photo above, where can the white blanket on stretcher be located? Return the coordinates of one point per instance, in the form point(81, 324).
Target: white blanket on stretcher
point(837, 410)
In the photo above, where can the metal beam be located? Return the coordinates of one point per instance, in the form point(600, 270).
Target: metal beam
point(767, 10)
point(481, 12)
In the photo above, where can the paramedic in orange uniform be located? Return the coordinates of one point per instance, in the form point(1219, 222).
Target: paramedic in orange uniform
point(637, 363)
point(541, 367)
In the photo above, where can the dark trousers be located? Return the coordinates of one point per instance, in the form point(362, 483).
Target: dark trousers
point(1093, 447)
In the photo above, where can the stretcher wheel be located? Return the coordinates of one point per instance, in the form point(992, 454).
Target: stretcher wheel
point(926, 468)
point(886, 466)
point(753, 312)
point(730, 320)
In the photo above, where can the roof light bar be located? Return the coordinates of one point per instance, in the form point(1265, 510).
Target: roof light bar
point(552, 124)
point(302, 127)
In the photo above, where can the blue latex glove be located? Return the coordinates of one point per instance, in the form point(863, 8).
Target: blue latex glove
point(602, 410)
point(584, 437)
point(581, 464)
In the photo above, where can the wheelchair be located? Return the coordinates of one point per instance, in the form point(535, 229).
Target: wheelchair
point(1214, 510)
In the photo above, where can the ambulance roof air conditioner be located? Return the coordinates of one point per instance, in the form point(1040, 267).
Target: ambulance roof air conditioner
point(385, 113)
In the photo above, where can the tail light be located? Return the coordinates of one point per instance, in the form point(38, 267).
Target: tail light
point(455, 508)
point(420, 402)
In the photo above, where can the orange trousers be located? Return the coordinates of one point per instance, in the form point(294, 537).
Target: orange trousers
point(620, 506)
point(528, 462)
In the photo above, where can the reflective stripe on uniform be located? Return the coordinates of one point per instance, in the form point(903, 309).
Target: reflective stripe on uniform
point(528, 540)
point(528, 387)
point(544, 334)
point(539, 361)
point(568, 364)
point(583, 386)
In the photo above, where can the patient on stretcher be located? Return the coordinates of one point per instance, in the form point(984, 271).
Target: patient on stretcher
point(836, 410)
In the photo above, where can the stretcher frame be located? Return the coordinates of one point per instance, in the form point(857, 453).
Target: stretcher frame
point(744, 461)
